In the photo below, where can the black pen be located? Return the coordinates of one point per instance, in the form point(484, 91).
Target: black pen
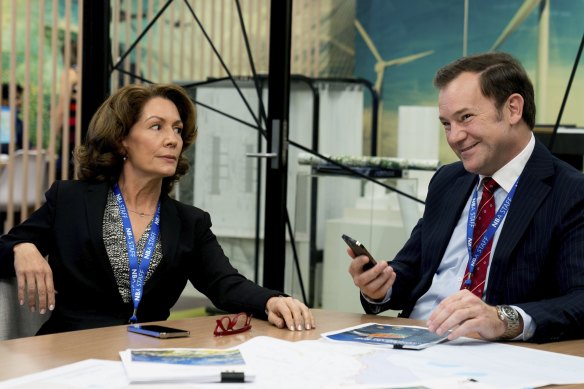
point(232, 376)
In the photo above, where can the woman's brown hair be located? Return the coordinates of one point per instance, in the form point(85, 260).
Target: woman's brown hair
point(101, 156)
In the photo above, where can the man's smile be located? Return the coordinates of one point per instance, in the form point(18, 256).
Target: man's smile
point(465, 149)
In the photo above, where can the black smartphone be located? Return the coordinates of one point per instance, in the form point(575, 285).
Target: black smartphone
point(359, 249)
point(158, 331)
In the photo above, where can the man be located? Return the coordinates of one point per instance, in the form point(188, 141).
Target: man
point(7, 118)
point(530, 240)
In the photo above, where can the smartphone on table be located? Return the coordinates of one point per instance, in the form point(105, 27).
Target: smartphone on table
point(158, 331)
point(359, 249)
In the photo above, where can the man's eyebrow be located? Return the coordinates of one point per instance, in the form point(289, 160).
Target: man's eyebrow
point(456, 113)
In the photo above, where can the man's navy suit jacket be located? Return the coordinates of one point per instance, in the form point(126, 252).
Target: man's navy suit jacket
point(538, 263)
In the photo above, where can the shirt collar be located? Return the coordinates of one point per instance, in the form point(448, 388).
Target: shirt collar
point(508, 174)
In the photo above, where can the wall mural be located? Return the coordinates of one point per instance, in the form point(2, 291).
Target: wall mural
point(399, 47)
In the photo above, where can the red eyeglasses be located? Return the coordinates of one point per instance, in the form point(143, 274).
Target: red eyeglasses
point(229, 325)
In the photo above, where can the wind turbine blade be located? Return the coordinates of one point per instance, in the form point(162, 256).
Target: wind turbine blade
point(406, 59)
point(380, 70)
point(521, 14)
point(368, 41)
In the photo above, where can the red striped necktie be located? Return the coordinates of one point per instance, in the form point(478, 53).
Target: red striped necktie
point(485, 214)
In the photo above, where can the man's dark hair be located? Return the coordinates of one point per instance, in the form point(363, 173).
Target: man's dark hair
point(501, 75)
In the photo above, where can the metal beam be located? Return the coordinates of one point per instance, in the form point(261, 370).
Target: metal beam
point(96, 63)
point(277, 143)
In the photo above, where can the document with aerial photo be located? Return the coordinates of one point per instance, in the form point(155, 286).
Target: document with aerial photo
point(185, 365)
point(408, 337)
point(185, 356)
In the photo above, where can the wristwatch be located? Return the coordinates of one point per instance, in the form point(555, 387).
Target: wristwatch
point(512, 319)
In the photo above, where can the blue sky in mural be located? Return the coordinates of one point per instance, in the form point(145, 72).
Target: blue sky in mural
point(404, 27)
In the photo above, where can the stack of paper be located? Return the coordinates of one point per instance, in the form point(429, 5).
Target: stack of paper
point(185, 365)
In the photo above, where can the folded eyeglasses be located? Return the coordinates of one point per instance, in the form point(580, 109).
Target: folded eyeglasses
point(229, 325)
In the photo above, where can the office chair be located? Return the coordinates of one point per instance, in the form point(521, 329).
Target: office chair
point(19, 175)
point(16, 321)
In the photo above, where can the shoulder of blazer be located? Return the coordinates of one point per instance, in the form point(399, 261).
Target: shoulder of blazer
point(545, 167)
point(78, 185)
point(446, 174)
point(180, 206)
point(181, 210)
point(73, 188)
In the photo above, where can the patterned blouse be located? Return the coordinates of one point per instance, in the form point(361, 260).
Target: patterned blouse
point(117, 250)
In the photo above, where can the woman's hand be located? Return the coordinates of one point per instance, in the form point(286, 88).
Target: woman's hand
point(34, 275)
point(289, 312)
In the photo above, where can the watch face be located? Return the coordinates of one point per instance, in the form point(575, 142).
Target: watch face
point(508, 311)
point(507, 314)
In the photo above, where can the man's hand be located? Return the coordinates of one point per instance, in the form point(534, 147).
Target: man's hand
point(375, 282)
point(289, 312)
point(464, 313)
point(34, 274)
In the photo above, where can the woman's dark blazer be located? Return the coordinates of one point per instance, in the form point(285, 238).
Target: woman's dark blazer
point(68, 228)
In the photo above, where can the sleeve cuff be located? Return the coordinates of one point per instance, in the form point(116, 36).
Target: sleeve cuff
point(529, 325)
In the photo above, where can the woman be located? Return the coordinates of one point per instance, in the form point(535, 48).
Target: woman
point(119, 248)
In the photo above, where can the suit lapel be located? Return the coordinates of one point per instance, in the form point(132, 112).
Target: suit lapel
point(169, 227)
point(448, 215)
point(95, 200)
point(169, 238)
point(532, 190)
point(95, 203)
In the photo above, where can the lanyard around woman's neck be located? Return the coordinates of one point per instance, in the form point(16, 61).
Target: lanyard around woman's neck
point(138, 269)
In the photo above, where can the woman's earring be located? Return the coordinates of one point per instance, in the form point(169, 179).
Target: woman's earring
point(125, 158)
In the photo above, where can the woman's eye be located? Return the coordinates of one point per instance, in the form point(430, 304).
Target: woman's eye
point(466, 117)
point(156, 127)
point(178, 130)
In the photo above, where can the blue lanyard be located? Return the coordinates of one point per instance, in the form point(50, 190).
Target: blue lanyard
point(491, 229)
point(138, 270)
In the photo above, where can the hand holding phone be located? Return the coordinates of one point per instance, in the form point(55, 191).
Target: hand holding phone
point(359, 249)
point(158, 331)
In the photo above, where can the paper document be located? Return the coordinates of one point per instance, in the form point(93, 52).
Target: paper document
point(322, 364)
point(408, 337)
point(86, 374)
point(185, 365)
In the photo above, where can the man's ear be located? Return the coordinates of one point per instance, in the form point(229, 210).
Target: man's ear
point(515, 108)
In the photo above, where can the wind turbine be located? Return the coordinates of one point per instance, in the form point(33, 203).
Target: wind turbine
point(543, 32)
point(381, 65)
